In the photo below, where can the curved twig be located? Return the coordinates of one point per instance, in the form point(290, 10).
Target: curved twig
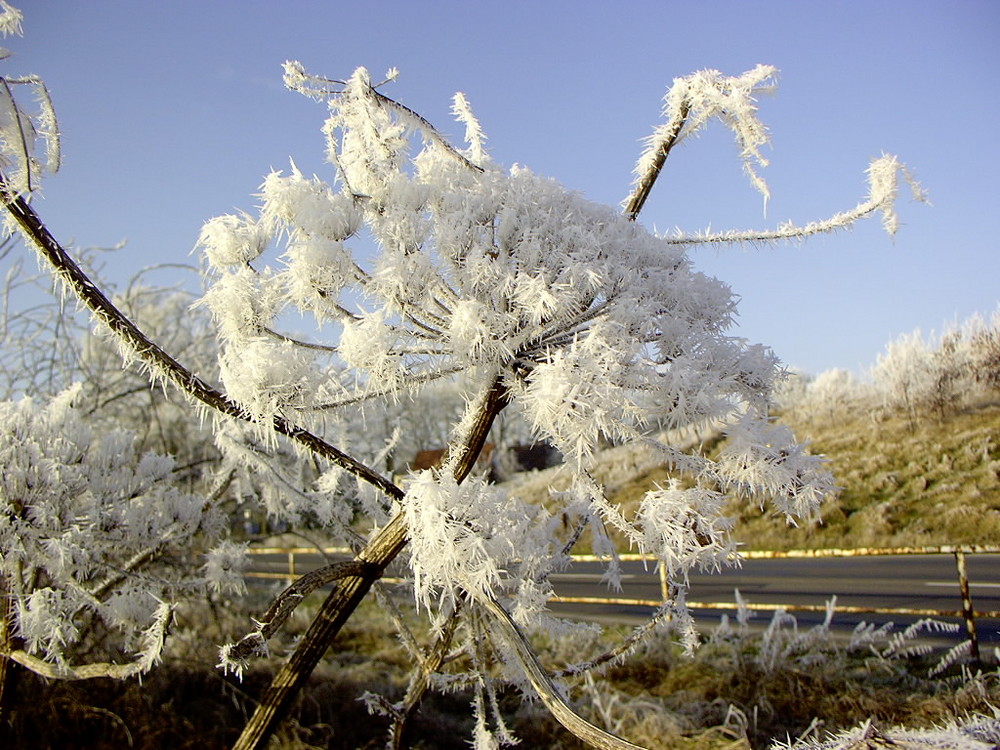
point(547, 691)
point(157, 633)
point(298, 342)
point(286, 602)
point(67, 672)
point(790, 232)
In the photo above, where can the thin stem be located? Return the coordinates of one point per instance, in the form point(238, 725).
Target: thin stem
point(421, 681)
point(645, 184)
point(285, 603)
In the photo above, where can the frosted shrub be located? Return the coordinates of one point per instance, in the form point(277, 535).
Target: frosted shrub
point(790, 393)
point(87, 526)
point(936, 374)
point(917, 375)
point(421, 263)
point(903, 373)
point(833, 392)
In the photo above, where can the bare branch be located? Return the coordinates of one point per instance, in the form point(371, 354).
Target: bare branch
point(635, 202)
point(69, 672)
point(623, 648)
point(286, 602)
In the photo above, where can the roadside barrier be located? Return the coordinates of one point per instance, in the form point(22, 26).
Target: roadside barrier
point(959, 552)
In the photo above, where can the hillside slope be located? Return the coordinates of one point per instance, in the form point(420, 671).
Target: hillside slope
point(904, 482)
point(928, 481)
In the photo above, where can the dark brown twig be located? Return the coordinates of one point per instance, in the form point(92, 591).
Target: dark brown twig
point(158, 361)
point(285, 603)
point(645, 184)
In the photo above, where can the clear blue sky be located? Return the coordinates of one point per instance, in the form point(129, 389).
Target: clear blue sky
point(172, 112)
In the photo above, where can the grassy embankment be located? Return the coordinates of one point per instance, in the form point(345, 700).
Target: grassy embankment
point(904, 482)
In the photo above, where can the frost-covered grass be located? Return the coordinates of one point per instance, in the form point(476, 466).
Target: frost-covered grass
point(741, 689)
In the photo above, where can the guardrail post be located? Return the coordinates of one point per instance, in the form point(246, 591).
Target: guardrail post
point(664, 583)
point(967, 611)
point(291, 567)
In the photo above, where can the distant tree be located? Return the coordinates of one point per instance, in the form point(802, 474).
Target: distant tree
point(903, 373)
point(790, 393)
point(936, 375)
point(949, 369)
point(40, 339)
point(832, 392)
point(983, 337)
point(571, 315)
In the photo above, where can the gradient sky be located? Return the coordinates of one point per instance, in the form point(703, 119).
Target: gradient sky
point(173, 112)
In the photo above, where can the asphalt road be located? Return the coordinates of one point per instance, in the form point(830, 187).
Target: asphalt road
point(920, 582)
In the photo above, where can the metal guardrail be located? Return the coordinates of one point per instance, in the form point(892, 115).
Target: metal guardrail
point(967, 613)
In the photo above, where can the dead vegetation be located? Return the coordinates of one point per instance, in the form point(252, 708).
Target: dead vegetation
point(904, 483)
point(741, 689)
point(933, 482)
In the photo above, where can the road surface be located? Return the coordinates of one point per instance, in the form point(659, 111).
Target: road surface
point(920, 582)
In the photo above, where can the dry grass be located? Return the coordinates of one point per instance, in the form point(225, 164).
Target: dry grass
point(743, 689)
point(936, 481)
point(737, 692)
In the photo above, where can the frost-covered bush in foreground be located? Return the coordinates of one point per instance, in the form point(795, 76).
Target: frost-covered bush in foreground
point(92, 535)
point(422, 261)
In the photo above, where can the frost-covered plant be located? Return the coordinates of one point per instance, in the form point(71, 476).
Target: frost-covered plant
point(920, 375)
point(832, 393)
point(22, 162)
point(971, 733)
point(783, 645)
point(790, 393)
point(916, 375)
point(575, 316)
point(585, 323)
point(983, 336)
point(421, 262)
point(92, 533)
